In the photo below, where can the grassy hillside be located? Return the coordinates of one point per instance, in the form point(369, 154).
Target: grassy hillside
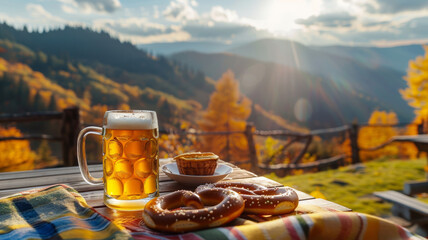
point(352, 186)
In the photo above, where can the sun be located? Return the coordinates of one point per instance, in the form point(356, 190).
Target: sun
point(280, 15)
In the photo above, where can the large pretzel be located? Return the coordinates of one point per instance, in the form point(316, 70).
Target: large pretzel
point(261, 200)
point(204, 209)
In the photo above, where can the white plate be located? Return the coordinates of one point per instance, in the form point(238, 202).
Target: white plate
point(171, 170)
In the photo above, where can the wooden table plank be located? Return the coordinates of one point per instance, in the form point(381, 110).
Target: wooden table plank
point(11, 183)
point(75, 180)
point(324, 204)
point(47, 172)
point(95, 198)
point(82, 186)
point(56, 171)
point(71, 176)
point(43, 181)
point(261, 181)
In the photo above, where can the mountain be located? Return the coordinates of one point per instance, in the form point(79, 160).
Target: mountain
point(117, 60)
point(298, 96)
point(175, 47)
point(380, 83)
point(373, 57)
point(303, 85)
point(80, 67)
point(65, 83)
point(99, 72)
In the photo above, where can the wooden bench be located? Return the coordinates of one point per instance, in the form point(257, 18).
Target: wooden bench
point(408, 208)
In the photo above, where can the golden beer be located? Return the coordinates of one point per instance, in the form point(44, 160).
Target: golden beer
point(130, 158)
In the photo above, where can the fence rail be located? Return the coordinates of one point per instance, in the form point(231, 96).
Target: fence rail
point(281, 169)
point(70, 127)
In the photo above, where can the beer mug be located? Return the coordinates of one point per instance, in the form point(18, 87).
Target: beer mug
point(130, 158)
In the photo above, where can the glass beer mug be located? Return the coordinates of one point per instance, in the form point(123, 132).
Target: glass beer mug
point(130, 158)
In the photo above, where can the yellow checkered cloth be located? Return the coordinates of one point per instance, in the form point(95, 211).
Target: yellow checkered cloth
point(59, 212)
point(55, 212)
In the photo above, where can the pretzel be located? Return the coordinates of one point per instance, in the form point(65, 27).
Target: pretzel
point(204, 209)
point(261, 200)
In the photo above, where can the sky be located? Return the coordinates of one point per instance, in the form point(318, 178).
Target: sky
point(312, 22)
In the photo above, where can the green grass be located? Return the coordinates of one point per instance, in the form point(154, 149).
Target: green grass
point(359, 183)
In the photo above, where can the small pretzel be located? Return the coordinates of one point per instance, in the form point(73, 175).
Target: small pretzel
point(261, 200)
point(162, 214)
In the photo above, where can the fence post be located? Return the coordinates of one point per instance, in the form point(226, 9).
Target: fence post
point(420, 127)
point(69, 132)
point(353, 136)
point(251, 146)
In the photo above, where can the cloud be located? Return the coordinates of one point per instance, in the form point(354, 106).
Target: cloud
point(224, 25)
point(107, 6)
point(329, 20)
point(134, 26)
point(180, 10)
point(220, 14)
point(40, 15)
point(415, 28)
point(223, 31)
point(375, 23)
point(16, 21)
point(394, 6)
point(178, 36)
point(155, 12)
point(140, 30)
point(382, 33)
point(90, 6)
point(219, 23)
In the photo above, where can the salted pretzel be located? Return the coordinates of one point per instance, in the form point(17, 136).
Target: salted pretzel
point(261, 200)
point(183, 211)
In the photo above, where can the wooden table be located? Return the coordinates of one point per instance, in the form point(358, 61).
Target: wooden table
point(13, 182)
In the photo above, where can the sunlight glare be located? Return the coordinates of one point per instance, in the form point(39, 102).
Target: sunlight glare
point(280, 15)
point(303, 110)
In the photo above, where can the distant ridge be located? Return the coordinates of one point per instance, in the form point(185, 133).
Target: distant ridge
point(80, 67)
point(120, 61)
point(332, 102)
point(171, 48)
point(376, 82)
point(373, 57)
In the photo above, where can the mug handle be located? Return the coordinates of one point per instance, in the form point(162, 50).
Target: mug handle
point(81, 154)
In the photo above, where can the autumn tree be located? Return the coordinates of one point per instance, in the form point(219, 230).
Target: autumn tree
point(416, 95)
point(372, 136)
point(416, 92)
point(44, 156)
point(227, 111)
point(16, 155)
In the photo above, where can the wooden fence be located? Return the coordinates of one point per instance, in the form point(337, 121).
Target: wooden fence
point(70, 127)
point(263, 166)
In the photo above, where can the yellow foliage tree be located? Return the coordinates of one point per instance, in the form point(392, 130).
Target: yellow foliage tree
point(16, 155)
point(227, 111)
point(96, 115)
point(416, 92)
point(372, 136)
point(416, 95)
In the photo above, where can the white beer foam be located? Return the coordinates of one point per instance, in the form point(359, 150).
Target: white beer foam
point(128, 121)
